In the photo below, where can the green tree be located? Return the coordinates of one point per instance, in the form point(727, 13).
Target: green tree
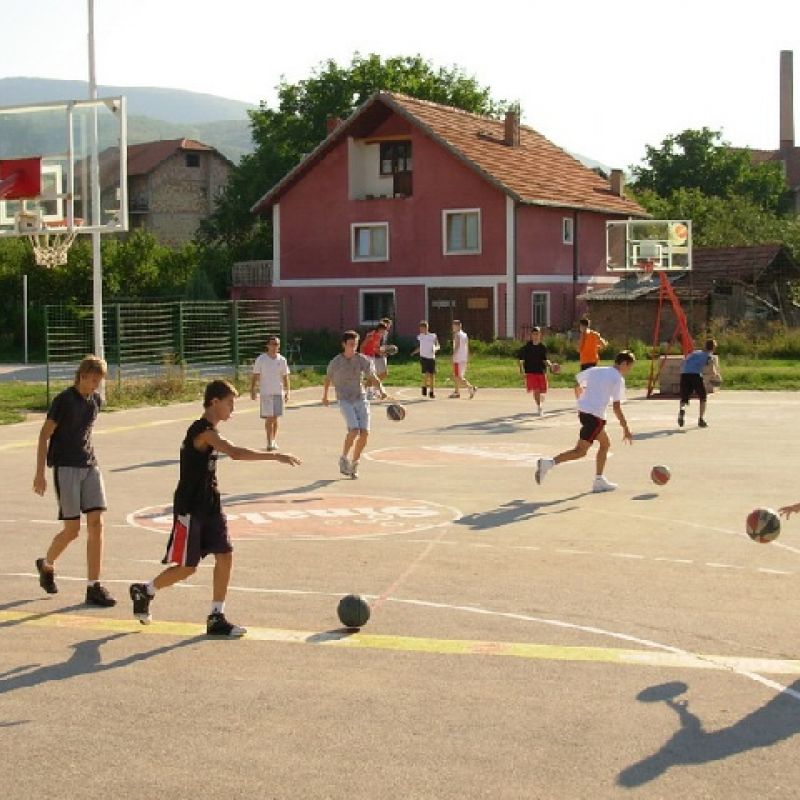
point(700, 159)
point(284, 134)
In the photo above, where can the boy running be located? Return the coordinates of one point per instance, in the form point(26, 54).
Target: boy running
point(65, 443)
point(199, 527)
point(533, 364)
point(460, 359)
point(589, 345)
point(381, 359)
point(427, 349)
point(599, 386)
point(346, 372)
point(692, 380)
point(271, 374)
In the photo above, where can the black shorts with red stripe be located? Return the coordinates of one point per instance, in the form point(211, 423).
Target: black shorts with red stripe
point(590, 426)
point(194, 536)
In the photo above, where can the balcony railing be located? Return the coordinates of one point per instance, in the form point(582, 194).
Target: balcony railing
point(252, 273)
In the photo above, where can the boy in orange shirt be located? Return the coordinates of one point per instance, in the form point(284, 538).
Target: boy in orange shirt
point(589, 345)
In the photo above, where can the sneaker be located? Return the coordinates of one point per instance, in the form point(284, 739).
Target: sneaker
point(354, 470)
point(432, 395)
point(97, 595)
point(542, 467)
point(47, 577)
point(274, 446)
point(454, 396)
point(217, 625)
point(141, 602)
point(539, 412)
point(344, 465)
point(424, 391)
point(681, 415)
point(472, 390)
point(602, 485)
point(701, 423)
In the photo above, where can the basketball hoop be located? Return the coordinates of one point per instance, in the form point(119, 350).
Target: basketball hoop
point(644, 271)
point(50, 248)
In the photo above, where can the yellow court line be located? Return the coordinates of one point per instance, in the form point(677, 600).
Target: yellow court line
point(413, 644)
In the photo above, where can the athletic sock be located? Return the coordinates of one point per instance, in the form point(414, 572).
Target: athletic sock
point(217, 608)
point(151, 589)
point(92, 583)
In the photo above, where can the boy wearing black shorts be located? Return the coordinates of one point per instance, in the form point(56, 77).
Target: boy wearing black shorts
point(427, 348)
point(199, 526)
point(65, 444)
point(692, 380)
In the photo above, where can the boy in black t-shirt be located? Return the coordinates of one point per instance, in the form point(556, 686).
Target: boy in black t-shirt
point(533, 364)
point(65, 444)
point(199, 527)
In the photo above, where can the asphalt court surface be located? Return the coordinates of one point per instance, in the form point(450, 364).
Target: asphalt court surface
point(525, 641)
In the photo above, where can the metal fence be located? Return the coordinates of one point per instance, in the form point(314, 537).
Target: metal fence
point(144, 340)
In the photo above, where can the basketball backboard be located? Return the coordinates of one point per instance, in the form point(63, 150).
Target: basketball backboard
point(662, 244)
point(68, 167)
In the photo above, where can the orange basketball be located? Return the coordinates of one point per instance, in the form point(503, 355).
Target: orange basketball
point(660, 474)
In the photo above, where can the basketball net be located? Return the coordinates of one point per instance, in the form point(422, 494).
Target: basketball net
point(645, 271)
point(50, 249)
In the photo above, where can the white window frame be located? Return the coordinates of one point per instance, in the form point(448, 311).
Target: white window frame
point(362, 293)
point(447, 212)
point(567, 230)
point(546, 293)
point(354, 226)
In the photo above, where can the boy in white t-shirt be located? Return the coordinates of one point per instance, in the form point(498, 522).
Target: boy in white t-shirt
point(271, 375)
point(599, 386)
point(460, 359)
point(427, 348)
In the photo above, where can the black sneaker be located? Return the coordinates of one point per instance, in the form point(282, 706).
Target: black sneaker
point(701, 423)
point(681, 415)
point(424, 391)
point(141, 602)
point(432, 395)
point(97, 595)
point(47, 577)
point(217, 625)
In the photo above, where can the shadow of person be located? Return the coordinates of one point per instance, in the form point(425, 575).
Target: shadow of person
point(85, 660)
point(692, 744)
point(164, 462)
point(513, 511)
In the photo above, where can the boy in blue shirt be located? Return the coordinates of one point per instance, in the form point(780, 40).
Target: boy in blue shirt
point(692, 380)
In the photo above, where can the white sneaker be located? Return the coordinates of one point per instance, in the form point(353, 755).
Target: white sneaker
point(540, 412)
point(272, 446)
point(344, 465)
point(542, 467)
point(602, 485)
point(354, 470)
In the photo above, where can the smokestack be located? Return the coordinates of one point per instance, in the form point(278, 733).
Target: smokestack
point(787, 101)
point(617, 180)
point(512, 128)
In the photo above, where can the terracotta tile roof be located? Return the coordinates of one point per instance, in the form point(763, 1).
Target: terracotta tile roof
point(710, 265)
point(144, 158)
point(536, 172)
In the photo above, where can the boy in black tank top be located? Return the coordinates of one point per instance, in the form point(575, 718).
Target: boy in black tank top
point(199, 527)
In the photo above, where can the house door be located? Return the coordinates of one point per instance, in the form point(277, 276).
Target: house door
point(473, 306)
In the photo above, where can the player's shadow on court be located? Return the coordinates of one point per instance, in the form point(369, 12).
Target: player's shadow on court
point(514, 511)
point(659, 434)
point(510, 423)
point(255, 497)
point(691, 745)
point(164, 462)
point(38, 615)
point(86, 660)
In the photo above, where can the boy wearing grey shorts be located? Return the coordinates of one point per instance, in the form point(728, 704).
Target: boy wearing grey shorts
point(347, 372)
point(65, 444)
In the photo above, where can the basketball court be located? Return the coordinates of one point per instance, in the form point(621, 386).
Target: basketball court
point(525, 641)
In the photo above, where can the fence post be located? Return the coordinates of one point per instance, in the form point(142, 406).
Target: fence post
point(235, 310)
point(47, 349)
point(118, 344)
point(179, 343)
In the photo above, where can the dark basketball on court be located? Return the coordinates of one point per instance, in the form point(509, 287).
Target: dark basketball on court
point(660, 474)
point(353, 611)
point(395, 412)
point(763, 525)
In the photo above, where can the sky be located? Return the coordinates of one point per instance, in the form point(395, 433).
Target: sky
point(602, 79)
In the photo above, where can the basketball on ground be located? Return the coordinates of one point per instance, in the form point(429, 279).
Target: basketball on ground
point(353, 611)
point(763, 525)
point(395, 412)
point(660, 474)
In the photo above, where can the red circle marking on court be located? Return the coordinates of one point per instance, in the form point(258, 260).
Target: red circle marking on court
point(505, 455)
point(314, 516)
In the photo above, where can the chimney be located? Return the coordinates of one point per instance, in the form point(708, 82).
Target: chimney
point(331, 124)
point(512, 127)
point(617, 180)
point(787, 104)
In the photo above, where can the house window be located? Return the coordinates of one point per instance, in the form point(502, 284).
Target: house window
point(370, 241)
point(395, 157)
point(374, 306)
point(462, 231)
point(540, 309)
point(567, 230)
point(192, 160)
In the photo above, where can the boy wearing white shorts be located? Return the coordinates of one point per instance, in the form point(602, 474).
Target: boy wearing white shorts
point(270, 379)
point(460, 359)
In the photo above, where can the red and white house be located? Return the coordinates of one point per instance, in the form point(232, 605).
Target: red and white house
point(416, 210)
